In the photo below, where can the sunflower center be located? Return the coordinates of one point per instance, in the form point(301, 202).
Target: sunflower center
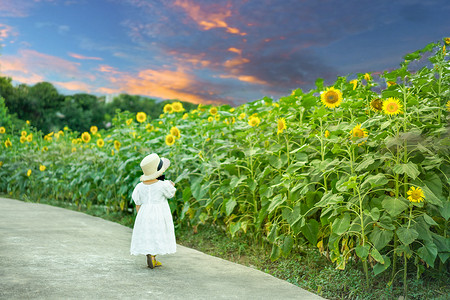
point(377, 104)
point(331, 97)
point(392, 107)
point(416, 195)
point(358, 133)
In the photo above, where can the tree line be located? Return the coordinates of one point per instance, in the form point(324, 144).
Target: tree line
point(48, 110)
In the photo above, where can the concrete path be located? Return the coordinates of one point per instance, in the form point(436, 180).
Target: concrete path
point(48, 252)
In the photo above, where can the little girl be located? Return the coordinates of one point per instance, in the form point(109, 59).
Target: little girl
point(153, 231)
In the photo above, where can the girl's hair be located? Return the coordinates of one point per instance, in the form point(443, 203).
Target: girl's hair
point(162, 177)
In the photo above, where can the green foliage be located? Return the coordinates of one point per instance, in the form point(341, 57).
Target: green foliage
point(341, 179)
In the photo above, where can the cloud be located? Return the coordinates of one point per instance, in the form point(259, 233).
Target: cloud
point(208, 16)
point(18, 8)
point(5, 31)
point(160, 83)
point(28, 65)
point(74, 86)
point(79, 56)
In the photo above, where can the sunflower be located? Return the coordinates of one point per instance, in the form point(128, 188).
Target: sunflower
point(217, 117)
point(185, 116)
point(28, 122)
point(448, 105)
point(1, 163)
point(389, 83)
point(8, 143)
point(281, 125)
point(23, 133)
point(175, 132)
point(100, 143)
point(23, 139)
point(170, 140)
point(242, 116)
point(254, 121)
point(326, 134)
point(30, 137)
point(376, 105)
point(149, 127)
point(213, 110)
point(331, 97)
point(355, 83)
point(29, 172)
point(232, 110)
point(358, 133)
point(74, 141)
point(447, 40)
point(45, 148)
point(168, 108)
point(86, 137)
point(112, 152)
point(367, 77)
point(210, 119)
point(129, 121)
point(74, 149)
point(177, 107)
point(141, 117)
point(392, 106)
point(94, 129)
point(415, 194)
point(42, 168)
point(2, 130)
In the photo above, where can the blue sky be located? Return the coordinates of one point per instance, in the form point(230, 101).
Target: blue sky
point(202, 51)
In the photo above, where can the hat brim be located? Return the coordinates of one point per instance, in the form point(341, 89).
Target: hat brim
point(165, 166)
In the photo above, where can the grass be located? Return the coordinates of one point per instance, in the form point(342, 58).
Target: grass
point(304, 267)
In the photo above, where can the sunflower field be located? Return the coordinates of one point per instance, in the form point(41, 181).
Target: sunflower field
point(358, 169)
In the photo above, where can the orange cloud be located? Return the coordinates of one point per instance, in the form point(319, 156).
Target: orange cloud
point(107, 69)
point(29, 65)
point(5, 31)
point(235, 50)
point(164, 84)
point(246, 78)
point(74, 86)
point(79, 56)
point(235, 62)
point(207, 19)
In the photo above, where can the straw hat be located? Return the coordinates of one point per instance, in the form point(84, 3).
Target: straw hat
point(153, 166)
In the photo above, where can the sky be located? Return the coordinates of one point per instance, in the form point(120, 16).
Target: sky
point(205, 51)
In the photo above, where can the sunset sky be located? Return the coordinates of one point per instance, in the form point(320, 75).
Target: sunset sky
point(206, 51)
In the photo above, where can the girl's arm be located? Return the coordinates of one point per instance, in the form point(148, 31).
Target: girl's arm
point(137, 208)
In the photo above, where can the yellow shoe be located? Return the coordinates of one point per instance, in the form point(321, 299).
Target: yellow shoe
point(157, 264)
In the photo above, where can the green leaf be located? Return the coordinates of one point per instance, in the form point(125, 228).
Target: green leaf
point(319, 83)
point(362, 251)
point(430, 197)
point(276, 201)
point(407, 235)
point(409, 168)
point(273, 233)
point(380, 238)
point(288, 243)
point(341, 225)
point(429, 219)
point(275, 161)
point(445, 211)
point(234, 227)
point(276, 252)
point(428, 253)
point(329, 199)
point(308, 101)
point(310, 231)
point(376, 255)
point(375, 180)
point(229, 206)
point(394, 206)
point(380, 268)
point(365, 163)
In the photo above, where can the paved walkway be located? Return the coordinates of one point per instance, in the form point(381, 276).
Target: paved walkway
point(48, 252)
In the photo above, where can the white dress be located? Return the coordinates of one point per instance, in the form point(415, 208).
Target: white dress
point(153, 231)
